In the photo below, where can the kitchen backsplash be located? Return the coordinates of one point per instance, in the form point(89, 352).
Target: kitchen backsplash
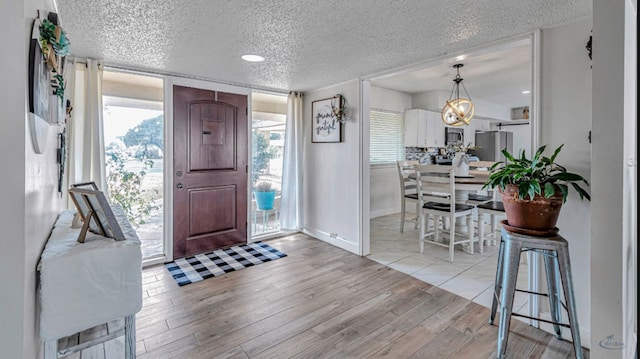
point(424, 155)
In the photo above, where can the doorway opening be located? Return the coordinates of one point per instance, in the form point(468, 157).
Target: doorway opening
point(133, 112)
point(499, 80)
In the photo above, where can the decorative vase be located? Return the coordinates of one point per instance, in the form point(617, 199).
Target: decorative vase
point(539, 214)
point(460, 164)
point(264, 200)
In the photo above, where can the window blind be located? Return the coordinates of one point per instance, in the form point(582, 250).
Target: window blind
point(386, 137)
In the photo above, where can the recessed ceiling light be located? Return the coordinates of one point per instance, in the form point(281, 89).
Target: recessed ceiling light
point(526, 92)
point(253, 58)
point(461, 58)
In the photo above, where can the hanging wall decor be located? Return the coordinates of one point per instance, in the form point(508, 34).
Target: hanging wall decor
point(47, 49)
point(61, 157)
point(326, 123)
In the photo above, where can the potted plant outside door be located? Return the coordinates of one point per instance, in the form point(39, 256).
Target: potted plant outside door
point(265, 195)
point(534, 190)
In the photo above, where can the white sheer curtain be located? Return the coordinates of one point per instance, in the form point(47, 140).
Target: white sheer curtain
point(86, 134)
point(290, 206)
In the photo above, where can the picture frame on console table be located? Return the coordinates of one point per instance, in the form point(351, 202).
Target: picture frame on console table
point(96, 213)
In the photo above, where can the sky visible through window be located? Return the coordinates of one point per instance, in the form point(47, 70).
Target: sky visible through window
point(118, 120)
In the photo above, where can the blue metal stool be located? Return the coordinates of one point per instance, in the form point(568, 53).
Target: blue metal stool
point(555, 251)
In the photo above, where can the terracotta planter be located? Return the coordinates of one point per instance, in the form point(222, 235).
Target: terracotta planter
point(540, 214)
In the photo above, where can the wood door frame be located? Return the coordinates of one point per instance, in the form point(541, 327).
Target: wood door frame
point(170, 81)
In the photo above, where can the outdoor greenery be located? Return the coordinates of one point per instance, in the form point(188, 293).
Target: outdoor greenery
point(263, 153)
point(125, 186)
point(148, 132)
point(537, 176)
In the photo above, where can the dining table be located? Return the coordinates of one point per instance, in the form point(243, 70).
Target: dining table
point(472, 182)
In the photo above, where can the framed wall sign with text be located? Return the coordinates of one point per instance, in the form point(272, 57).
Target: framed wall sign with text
point(325, 126)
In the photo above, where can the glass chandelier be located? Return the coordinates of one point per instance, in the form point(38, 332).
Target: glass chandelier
point(458, 111)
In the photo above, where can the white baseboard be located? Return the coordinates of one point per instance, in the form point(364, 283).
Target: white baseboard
point(585, 335)
point(383, 212)
point(336, 241)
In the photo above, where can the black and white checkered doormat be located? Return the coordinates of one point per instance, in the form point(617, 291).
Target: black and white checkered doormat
point(202, 266)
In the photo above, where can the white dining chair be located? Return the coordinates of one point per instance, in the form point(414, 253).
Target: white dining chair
point(408, 191)
point(441, 179)
point(478, 198)
point(494, 210)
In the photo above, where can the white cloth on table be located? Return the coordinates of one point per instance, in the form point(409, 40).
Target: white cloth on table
point(86, 284)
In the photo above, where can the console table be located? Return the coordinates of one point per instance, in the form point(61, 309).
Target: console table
point(87, 284)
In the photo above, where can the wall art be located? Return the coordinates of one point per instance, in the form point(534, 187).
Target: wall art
point(325, 125)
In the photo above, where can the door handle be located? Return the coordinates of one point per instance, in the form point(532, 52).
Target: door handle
point(179, 185)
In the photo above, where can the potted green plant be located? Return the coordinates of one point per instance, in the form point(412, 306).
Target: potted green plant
point(265, 195)
point(533, 190)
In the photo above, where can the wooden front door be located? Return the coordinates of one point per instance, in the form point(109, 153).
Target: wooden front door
point(209, 170)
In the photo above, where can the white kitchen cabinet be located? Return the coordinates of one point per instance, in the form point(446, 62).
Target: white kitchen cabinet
point(415, 128)
point(423, 128)
point(470, 133)
point(435, 130)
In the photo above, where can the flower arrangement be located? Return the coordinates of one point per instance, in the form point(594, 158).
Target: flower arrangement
point(462, 148)
point(339, 108)
point(263, 187)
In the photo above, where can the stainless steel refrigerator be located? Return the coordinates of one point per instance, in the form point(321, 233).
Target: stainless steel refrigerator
point(491, 143)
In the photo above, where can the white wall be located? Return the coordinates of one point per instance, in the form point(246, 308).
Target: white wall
point(521, 137)
point(30, 199)
point(12, 153)
point(613, 110)
point(331, 171)
point(385, 189)
point(566, 119)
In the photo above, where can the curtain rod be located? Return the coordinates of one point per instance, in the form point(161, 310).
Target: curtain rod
point(184, 76)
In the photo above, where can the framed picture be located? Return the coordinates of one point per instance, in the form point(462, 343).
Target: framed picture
point(96, 213)
point(86, 185)
point(325, 126)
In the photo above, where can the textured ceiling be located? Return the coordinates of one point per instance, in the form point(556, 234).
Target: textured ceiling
point(496, 74)
point(307, 43)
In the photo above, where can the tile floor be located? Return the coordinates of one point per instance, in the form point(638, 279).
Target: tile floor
point(469, 276)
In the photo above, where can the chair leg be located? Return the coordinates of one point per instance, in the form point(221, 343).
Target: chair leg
point(436, 229)
point(422, 230)
point(470, 232)
point(552, 290)
point(494, 225)
point(481, 232)
point(415, 225)
point(564, 266)
point(452, 237)
point(509, 278)
point(497, 285)
point(402, 214)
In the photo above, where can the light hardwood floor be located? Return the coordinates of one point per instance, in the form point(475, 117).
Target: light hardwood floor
point(319, 302)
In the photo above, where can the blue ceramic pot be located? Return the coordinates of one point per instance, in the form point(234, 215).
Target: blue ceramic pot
point(264, 200)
